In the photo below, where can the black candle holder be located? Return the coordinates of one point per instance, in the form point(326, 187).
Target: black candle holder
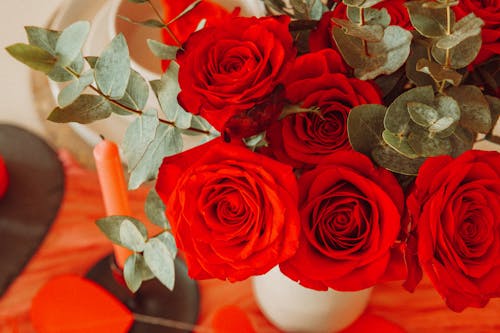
point(153, 298)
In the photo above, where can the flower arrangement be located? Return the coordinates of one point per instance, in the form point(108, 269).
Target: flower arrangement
point(339, 141)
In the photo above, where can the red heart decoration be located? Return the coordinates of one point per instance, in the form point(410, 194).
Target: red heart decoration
point(4, 177)
point(72, 304)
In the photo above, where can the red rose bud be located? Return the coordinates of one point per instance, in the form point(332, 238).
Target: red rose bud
point(455, 228)
point(318, 80)
point(4, 178)
point(228, 69)
point(350, 213)
point(233, 212)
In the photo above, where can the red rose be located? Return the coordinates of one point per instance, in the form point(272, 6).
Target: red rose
point(233, 67)
point(350, 212)
point(317, 80)
point(322, 38)
point(233, 212)
point(187, 23)
point(489, 12)
point(454, 210)
point(4, 178)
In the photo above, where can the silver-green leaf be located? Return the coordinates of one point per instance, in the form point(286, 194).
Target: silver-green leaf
point(111, 226)
point(138, 136)
point(33, 56)
point(155, 210)
point(112, 69)
point(85, 109)
point(132, 273)
point(167, 141)
point(168, 239)
point(161, 50)
point(159, 260)
point(70, 42)
point(131, 237)
point(71, 92)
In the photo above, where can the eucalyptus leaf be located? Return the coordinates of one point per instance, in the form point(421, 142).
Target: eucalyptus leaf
point(71, 92)
point(494, 103)
point(441, 125)
point(85, 109)
point(131, 237)
point(475, 110)
point(155, 210)
point(461, 55)
point(112, 69)
point(70, 42)
point(111, 226)
point(167, 141)
point(138, 136)
point(168, 239)
point(425, 145)
point(371, 16)
point(430, 22)
point(160, 262)
point(422, 114)
point(461, 141)
point(136, 94)
point(62, 74)
point(43, 38)
point(438, 72)
point(162, 50)
point(32, 56)
point(468, 26)
point(441, 4)
point(361, 3)
point(386, 56)
point(419, 50)
point(166, 91)
point(132, 273)
point(399, 143)
point(351, 48)
point(365, 125)
point(316, 9)
point(397, 118)
point(390, 159)
point(370, 33)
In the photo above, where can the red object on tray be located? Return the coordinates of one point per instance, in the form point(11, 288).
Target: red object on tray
point(71, 304)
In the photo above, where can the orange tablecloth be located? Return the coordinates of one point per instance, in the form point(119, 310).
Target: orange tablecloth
point(74, 244)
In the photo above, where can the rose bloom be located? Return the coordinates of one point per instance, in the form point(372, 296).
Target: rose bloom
point(455, 228)
point(489, 12)
point(233, 212)
point(322, 38)
point(318, 80)
point(350, 212)
point(235, 66)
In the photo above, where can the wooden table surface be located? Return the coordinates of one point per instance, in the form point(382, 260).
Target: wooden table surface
point(74, 244)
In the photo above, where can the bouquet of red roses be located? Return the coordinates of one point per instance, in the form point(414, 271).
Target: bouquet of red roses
point(339, 138)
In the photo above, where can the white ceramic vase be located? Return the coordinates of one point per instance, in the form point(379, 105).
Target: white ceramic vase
point(294, 308)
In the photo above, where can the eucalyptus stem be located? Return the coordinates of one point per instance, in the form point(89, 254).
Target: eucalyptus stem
point(126, 108)
point(167, 28)
point(360, 23)
point(448, 32)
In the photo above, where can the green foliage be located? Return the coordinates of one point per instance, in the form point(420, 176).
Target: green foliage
point(72, 91)
point(160, 261)
point(161, 50)
point(70, 42)
point(428, 21)
point(166, 91)
point(155, 210)
point(365, 125)
point(84, 110)
point(33, 56)
point(112, 69)
point(111, 226)
point(167, 141)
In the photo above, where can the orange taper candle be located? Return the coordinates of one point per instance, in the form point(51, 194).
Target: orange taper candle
point(113, 188)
